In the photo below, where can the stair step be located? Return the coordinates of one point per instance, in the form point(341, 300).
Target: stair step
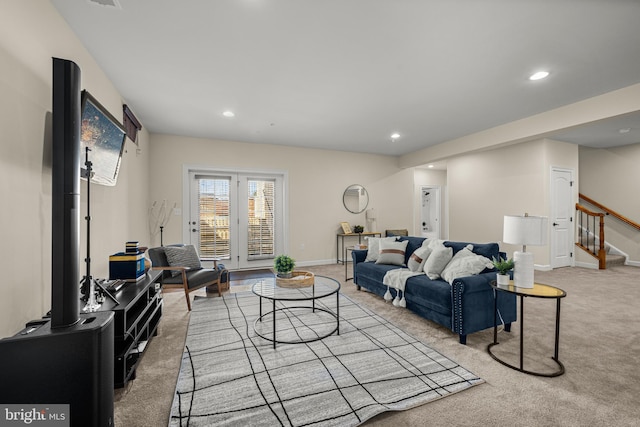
point(615, 260)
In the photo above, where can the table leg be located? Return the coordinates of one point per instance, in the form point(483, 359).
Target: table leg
point(260, 310)
point(274, 323)
point(338, 311)
point(555, 354)
point(495, 316)
point(521, 332)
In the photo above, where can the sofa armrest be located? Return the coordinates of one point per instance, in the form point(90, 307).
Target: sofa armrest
point(358, 255)
point(476, 283)
point(473, 303)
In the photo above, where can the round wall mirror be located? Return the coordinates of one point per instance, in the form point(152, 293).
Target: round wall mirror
point(355, 198)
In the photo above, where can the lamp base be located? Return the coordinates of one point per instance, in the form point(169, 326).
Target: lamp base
point(523, 269)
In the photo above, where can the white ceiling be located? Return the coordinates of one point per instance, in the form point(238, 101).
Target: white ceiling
point(345, 74)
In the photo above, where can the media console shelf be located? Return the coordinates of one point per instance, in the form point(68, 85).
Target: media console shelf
point(136, 320)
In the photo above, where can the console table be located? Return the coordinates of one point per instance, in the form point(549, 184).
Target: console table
point(340, 252)
point(136, 319)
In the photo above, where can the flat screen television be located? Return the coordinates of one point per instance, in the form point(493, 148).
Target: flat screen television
point(105, 136)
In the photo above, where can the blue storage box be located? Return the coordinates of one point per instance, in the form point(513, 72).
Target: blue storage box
point(126, 266)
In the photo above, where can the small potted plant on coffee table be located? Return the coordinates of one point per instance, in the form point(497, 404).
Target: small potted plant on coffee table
point(504, 266)
point(284, 264)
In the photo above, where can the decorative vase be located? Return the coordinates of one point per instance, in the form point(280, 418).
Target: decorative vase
point(286, 275)
point(502, 279)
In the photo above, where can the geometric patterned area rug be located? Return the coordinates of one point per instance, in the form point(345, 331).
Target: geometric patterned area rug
point(231, 376)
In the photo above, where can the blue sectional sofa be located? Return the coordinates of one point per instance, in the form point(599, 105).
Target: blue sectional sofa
point(465, 306)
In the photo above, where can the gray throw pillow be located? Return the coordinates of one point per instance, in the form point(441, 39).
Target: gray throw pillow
point(182, 256)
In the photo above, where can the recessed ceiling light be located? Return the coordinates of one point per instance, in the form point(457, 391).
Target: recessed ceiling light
point(395, 136)
point(538, 75)
point(624, 130)
point(228, 114)
point(430, 166)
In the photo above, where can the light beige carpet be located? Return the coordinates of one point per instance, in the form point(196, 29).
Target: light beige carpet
point(599, 346)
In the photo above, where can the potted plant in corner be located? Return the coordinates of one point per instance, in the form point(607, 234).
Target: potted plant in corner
point(504, 266)
point(283, 264)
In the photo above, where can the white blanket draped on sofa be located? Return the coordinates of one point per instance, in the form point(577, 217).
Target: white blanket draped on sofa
point(397, 279)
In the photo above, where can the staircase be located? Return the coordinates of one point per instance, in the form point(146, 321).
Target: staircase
point(591, 242)
point(594, 243)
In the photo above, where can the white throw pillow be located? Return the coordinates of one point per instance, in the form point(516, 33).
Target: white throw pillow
point(465, 263)
point(418, 258)
point(373, 247)
point(437, 261)
point(434, 243)
point(392, 252)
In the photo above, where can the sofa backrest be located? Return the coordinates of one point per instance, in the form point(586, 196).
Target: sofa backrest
point(488, 250)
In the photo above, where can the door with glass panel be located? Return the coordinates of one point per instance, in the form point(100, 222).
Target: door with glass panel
point(237, 217)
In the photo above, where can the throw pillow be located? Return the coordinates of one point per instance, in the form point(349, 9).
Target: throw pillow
point(373, 247)
point(182, 256)
point(418, 258)
point(465, 263)
point(392, 252)
point(437, 261)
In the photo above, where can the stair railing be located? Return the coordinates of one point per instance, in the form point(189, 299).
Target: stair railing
point(587, 226)
point(608, 211)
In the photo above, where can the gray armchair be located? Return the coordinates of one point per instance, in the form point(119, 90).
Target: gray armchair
point(190, 276)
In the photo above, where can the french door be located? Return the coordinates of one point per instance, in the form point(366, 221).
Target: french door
point(237, 218)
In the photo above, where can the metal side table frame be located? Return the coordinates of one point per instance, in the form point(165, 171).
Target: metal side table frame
point(538, 291)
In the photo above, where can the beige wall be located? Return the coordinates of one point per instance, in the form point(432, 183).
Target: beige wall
point(483, 187)
point(539, 126)
point(316, 182)
point(610, 177)
point(31, 33)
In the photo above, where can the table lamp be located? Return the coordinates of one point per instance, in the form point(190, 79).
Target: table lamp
point(524, 230)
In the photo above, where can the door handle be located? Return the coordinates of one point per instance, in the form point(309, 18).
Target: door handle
point(194, 230)
point(555, 224)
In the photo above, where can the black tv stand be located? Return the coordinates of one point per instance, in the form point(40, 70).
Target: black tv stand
point(137, 315)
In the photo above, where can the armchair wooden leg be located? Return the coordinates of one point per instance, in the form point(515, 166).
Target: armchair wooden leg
point(186, 295)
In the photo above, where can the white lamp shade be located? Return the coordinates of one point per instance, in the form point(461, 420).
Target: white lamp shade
point(525, 230)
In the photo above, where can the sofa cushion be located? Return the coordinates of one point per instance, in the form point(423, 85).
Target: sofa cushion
point(391, 252)
point(465, 263)
point(437, 261)
point(487, 250)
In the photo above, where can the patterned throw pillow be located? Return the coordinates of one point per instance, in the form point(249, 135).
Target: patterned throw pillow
point(392, 252)
point(373, 247)
point(182, 256)
point(418, 258)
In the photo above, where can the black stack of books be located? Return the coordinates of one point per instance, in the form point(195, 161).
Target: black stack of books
point(132, 248)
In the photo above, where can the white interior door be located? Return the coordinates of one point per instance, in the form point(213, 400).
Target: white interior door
point(562, 212)
point(237, 218)
point(430, 212)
